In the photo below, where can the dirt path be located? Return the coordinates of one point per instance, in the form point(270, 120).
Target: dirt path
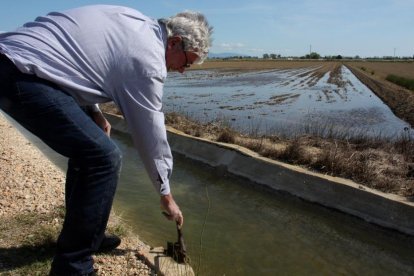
point(31, 204)
point(400, 100)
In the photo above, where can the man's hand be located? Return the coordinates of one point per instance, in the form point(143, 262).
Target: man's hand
point(172, 211)
point(101, 121)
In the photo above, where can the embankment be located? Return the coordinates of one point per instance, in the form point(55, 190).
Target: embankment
point(400, 100)
point(386, 210)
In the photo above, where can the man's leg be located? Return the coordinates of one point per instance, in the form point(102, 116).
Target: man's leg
point(55, 117)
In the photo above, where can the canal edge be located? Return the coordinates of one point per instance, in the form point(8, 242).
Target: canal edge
point(386, 210)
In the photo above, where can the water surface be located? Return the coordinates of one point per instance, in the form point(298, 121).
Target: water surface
point(281, 101)
point(234, 229)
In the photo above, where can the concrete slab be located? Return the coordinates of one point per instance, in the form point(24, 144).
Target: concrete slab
point(162, 264)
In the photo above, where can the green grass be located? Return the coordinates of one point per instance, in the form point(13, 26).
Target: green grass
point(401, 81)
point(28, 243)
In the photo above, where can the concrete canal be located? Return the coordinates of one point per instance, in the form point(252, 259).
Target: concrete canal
point(232, 228)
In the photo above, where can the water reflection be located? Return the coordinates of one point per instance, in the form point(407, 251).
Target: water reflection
point(282, 101)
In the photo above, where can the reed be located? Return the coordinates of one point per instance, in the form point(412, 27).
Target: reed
point(401, 81)
point(374, 161)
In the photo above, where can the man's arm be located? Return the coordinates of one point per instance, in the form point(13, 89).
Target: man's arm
point(140, 102)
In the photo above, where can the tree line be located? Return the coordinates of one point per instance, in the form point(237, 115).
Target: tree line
point(315, 55)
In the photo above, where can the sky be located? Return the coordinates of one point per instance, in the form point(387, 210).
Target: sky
point(366, 28)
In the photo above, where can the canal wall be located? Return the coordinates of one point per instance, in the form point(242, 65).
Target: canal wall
point(387, 210)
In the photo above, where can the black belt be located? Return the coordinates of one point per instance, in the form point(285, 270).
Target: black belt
point(4, 58)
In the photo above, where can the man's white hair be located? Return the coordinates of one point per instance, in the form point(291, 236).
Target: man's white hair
point(194, 29)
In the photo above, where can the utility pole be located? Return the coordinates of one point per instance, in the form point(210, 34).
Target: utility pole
point(394, 53)
point(310, 49)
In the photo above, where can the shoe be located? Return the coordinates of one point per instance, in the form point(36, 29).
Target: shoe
point(109, 242)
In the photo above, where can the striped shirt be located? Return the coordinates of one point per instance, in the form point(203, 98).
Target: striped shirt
point(104, 53)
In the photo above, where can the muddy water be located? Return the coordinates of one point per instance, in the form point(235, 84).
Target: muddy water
point(233, 229)
point(282, 101)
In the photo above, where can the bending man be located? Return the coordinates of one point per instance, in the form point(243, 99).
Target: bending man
point(54, 68)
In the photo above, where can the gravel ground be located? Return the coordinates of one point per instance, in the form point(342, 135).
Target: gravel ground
point(30, 183)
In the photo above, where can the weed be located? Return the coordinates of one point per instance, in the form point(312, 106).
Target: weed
point(293, 153)
point(118, 229)
point(367, 160)
point(401, 81)
point(226, 136)
point(33, 243)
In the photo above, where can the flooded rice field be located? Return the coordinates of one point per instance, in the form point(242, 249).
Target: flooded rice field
point(293, 101)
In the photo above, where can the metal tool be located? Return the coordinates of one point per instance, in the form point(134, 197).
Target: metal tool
point(178, 250)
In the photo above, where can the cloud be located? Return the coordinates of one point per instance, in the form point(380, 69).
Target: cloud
point(230, 46)
point(256, 50)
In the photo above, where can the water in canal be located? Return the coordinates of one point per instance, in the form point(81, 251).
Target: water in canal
point(234, 229)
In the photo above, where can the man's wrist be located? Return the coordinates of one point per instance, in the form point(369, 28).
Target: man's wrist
point(166, 198)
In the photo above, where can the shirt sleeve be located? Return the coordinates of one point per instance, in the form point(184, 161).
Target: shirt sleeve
point(140, 101)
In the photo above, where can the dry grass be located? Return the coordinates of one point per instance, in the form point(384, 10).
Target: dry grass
point(29, 250)
point(380, 164)
point(384, 68)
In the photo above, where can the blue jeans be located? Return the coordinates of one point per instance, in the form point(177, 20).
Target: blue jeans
point(94, 161)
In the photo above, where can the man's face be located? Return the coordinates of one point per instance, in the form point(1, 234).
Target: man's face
point(176, 58)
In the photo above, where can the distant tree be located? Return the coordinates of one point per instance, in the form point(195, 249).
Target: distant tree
point(338, 57)
point(273, 56)
point(265, 56)
point(313, 55)
point(357, 57)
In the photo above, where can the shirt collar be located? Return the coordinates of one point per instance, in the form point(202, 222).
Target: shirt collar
point(164, 33)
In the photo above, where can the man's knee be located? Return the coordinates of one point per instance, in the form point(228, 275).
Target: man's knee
point(106, 156)
point(115, 158)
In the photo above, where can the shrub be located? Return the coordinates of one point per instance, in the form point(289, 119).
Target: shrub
point(227, 136)
point(401, 81)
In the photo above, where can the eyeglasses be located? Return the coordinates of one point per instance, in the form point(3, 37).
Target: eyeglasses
point(186, 64)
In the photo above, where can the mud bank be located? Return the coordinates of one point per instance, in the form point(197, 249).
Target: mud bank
point(386, 210)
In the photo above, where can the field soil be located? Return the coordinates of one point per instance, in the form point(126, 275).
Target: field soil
point(399, 99)
point(236, 65)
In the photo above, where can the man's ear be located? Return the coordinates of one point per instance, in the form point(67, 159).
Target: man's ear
point(174, 41)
